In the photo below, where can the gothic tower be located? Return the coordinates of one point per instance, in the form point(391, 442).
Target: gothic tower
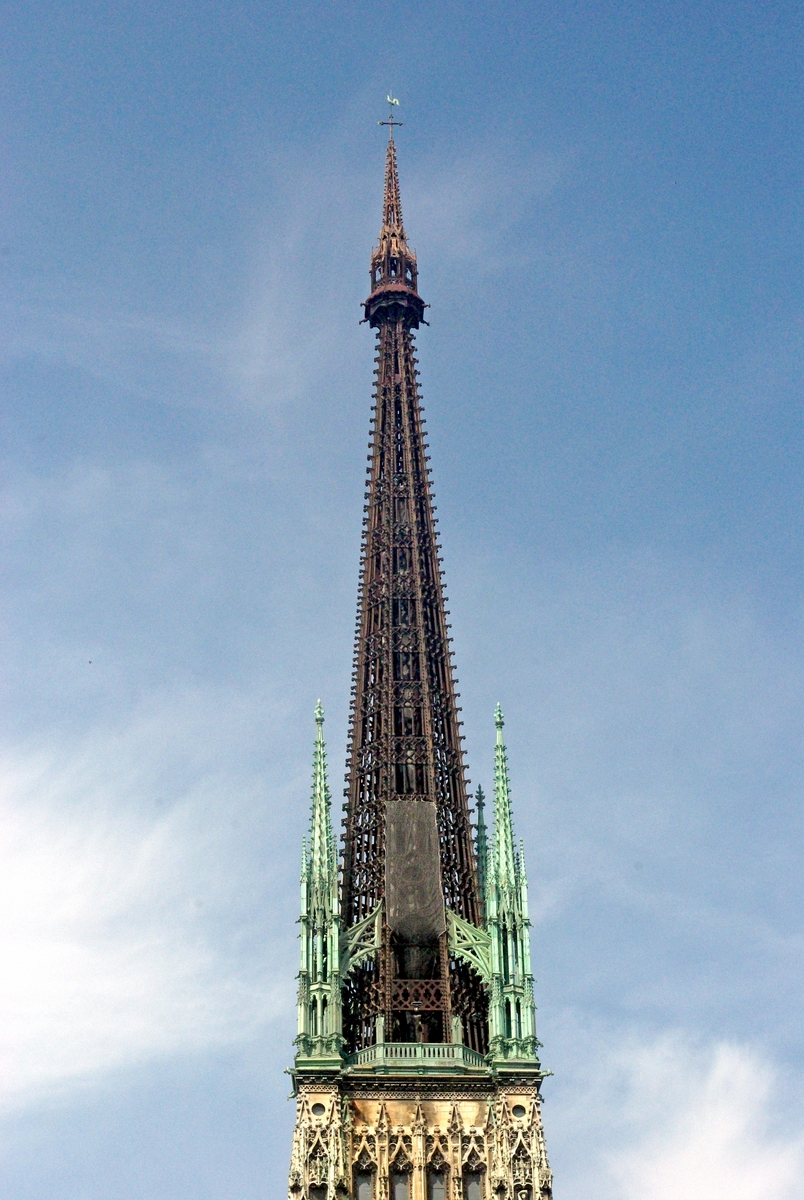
point(417, 1074)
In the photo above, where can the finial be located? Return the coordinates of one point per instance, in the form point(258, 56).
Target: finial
point(499, 721)
point(391, 123)
point(319, 713)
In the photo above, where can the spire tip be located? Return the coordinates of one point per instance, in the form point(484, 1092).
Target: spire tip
point(391, 101)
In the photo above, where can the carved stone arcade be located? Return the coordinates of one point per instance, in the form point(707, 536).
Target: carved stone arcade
point(426, 1145)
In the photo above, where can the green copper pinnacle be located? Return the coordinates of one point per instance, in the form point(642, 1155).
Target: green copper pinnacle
point(512, 1012)
point(503, 824)
point(319, 1041)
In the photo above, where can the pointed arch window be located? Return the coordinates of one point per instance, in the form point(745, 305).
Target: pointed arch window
point(437, 1185)
point(400, 1186)
point(364, 1185)
point(473, 1186)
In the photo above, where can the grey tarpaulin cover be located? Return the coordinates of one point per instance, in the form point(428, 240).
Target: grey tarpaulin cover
point(413, 889)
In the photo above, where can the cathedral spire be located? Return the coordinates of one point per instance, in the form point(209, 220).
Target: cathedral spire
point(408, 842)
point(392, 204)
point(416, 1073)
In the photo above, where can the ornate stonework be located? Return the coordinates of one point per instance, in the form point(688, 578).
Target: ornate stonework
point(490, 1144)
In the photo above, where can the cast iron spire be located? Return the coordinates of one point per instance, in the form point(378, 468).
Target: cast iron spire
point(481, 845)
point(416, 1072)
point(405, 768)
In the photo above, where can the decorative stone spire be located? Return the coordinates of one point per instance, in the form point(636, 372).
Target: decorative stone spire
point(323, 858)
point(503, 824)
point(512, 1014)
point(319, 1037)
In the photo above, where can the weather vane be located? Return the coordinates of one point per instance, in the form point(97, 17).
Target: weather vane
point(391, 122)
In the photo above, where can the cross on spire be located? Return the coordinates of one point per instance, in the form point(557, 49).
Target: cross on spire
point(391, 123)
point(394, 273)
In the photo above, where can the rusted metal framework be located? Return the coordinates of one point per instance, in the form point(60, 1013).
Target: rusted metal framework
point(404, 742)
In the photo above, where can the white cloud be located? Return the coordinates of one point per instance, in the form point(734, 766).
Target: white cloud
point(708, 1128)
point(125, 930)
point(655, 1119)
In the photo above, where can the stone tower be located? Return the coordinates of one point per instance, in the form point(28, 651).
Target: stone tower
point(416, 1074)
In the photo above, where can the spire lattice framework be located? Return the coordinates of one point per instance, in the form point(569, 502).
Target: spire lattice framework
point(404, 730)
point(416, 1074)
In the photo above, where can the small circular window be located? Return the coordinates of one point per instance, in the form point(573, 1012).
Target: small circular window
point(518, 1110)
point(319, 1110)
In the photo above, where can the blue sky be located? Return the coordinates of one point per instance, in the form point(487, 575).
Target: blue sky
point(605, 200)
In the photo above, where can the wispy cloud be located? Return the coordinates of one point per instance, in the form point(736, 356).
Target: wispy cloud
point(470, 205)
point(643, 1116)
point(150, 357)
point(705, 1120)
point(127, 930)
point(259, 343)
